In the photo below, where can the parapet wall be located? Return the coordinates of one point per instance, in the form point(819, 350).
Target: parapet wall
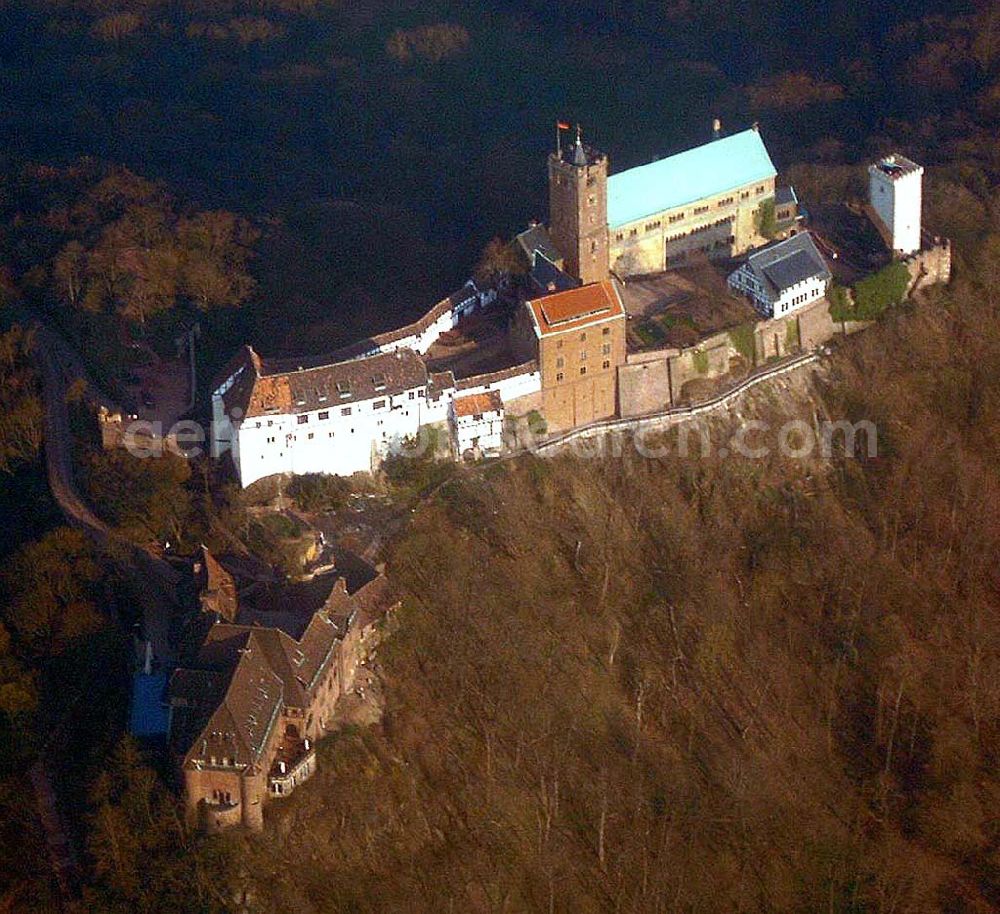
point(930, 266)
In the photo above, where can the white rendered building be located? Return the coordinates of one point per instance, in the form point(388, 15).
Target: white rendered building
point(339, 419)
point(477, 423)
point(895, 191)
point(783, 276)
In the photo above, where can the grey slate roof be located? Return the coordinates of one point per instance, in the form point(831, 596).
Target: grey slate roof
point(547, 277)
point(537, 238)
point(781, 265)
point(785, 195)
point(265, 390)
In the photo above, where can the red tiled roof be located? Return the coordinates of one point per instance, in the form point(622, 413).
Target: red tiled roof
point(475, 404)
point(576, 308)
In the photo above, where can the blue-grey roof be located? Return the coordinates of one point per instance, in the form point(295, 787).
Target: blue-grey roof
point(781, 265)
point(537, 238)
point(796, 268)
point(547, 277)
point(783, 195)
point(714, 168)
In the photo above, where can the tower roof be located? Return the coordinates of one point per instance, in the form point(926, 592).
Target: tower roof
point(713, 168)
point(576, 308)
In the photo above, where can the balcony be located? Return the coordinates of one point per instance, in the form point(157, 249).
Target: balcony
point(294, 763)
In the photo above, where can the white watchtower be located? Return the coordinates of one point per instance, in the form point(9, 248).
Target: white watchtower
point(895, 193)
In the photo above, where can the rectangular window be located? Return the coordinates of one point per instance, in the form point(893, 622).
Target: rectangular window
point(311, 436)
point(606, 331)
point(606, 349)
point(378, 404)
point(583, 337)
point(583, 369)
point(560, 362)
point(583, 355)
point(302, 420)
point(324, 415)
point(605, 364)
point(345, 410)
point(412, 395)
point(559, 375)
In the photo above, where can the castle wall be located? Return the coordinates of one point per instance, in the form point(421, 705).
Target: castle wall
point(930, 266)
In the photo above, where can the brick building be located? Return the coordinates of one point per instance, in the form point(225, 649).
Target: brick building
point(249, 702)
point(580, 339)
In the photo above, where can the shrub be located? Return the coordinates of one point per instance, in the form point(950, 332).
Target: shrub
point(319, 492)
point(765, 221)
point(699, 359)
point(840, 303)
point(536, 422)
point(416, 467)
point(742, 340)
point(792, 339)
point(874, 294)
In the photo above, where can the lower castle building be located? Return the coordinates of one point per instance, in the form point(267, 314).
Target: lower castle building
point(249, 701)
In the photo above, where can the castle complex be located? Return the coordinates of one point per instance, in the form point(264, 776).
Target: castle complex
point(253, 693)
point(344, 413)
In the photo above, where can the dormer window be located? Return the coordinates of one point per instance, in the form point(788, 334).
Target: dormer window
point(379, 381)
point(344, 388)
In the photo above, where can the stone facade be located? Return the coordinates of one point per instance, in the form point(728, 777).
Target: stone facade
point(578, 208)
point(721, 226)
point(580, 336)
point(249, 702)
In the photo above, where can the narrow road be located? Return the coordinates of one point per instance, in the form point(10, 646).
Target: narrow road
point(153, 579)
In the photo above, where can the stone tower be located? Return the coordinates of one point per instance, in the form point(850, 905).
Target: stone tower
point(578, 209)
point(895, 194)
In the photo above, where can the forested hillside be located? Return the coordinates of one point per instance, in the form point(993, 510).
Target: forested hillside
point(696, 685)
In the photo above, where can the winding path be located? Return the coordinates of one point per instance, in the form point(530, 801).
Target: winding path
point(153, 578)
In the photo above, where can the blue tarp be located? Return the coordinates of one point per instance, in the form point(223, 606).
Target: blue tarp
point(704, 171)
point(149, 717)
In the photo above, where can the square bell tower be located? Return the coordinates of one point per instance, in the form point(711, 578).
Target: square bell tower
point(578, 209)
